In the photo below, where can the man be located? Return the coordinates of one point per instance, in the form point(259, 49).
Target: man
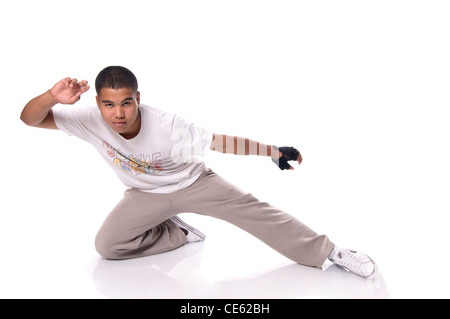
point(155, 154)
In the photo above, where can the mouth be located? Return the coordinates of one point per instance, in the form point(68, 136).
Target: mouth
point(119, 124)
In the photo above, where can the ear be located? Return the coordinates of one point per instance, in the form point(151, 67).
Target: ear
point(97, 99)
point(138, 97)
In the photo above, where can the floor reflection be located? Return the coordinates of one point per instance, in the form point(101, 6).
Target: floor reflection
point(178, 274)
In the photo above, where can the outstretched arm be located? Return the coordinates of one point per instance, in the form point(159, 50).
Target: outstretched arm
point(38, 112)
point(244, 146)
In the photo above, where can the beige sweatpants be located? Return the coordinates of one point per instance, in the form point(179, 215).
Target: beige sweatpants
point(139, 225)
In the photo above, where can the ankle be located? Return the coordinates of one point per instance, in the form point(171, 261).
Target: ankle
point(333, 253)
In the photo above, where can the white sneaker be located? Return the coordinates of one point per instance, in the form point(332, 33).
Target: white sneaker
point(193, 235)
point(358, 263)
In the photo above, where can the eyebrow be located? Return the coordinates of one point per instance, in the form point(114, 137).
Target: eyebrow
point(127, 99)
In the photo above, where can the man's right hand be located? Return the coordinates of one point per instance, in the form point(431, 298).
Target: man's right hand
point(68, 91)
point(38, 112)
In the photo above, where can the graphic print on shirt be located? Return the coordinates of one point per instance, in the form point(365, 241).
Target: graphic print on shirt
point(135, 165)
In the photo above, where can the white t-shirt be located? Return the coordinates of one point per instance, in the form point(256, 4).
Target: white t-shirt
point(160, 159)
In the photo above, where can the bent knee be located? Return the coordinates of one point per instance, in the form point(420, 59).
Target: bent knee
point(105, 247)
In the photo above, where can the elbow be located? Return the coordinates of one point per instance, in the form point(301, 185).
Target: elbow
point(24, 119)
point(27, 120)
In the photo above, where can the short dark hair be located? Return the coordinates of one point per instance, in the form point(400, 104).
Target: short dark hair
point(115, 77)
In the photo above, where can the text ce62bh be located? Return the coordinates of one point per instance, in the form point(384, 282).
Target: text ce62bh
point(234, 308)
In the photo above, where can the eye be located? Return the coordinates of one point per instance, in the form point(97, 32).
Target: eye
point(126, 103)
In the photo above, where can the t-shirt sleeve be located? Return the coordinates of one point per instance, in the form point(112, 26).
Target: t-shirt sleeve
point(189, 139)
point(73, 120)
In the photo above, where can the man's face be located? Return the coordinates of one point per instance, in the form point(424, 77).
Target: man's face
point(120, 110)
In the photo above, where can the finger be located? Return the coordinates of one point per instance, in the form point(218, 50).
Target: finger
point(84, 88)
point(299, 159)
point(73, 82)
point(66, 81)
point(75, 98)
point(82, 83)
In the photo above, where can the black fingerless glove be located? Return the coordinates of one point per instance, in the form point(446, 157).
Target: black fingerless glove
point(289, 154)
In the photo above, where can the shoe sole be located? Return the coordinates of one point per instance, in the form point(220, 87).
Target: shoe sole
point(180, 222)
point(375, 269)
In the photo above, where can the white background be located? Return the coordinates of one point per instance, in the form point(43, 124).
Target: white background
point(360, 87)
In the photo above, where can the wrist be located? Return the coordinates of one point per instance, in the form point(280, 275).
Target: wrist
point(50, 98)
point(274, 152)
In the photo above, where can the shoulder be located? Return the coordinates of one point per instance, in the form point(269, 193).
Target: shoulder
point(75, 110)
point(74, 113)
point(153, 114)
point(76, 120)
point(154, 111)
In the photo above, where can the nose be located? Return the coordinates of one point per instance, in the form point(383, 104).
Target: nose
point(118, 113)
